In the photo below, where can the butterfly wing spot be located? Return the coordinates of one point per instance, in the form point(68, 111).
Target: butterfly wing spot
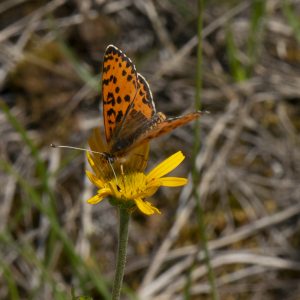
point(106, 69)
point(111, 112)
point(127, 98)
point(110, 99)
point(105, 82)
point(111, 120)
point(119, 116)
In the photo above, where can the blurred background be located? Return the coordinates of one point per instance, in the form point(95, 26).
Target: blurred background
point(51, 240)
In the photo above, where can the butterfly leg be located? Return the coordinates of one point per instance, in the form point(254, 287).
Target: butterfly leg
point(122, 175)
point(122, 170)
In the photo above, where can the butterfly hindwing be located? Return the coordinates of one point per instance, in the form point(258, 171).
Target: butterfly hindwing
point(143, 101)
point(149, 129)
point(164, 125)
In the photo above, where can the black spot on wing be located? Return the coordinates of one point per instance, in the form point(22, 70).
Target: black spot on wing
point(119, 100)
point(110, 99)
point(119, 116)
point(105, 81)
point(111, 113)
point(106, 69)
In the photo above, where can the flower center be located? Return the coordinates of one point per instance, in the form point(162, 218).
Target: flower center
point(128, 186)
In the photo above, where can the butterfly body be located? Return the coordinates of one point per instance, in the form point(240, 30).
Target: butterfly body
point(130, 117)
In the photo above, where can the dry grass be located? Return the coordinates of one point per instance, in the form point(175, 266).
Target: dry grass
point(51, 240)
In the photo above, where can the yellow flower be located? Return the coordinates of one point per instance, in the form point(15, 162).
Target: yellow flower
point(125, 179)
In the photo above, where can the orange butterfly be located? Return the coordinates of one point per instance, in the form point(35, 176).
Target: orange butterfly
point(130, 117)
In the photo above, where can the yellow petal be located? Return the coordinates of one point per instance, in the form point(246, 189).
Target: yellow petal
point(150, 191)
point(173, 181)
point(90, 159)
point(92, 163)
point(146, 207)
point(102, 193)
point(95, 199)
point(95, 180)
point(166, 166)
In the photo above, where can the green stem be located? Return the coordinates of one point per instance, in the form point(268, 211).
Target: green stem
point(195, 172)
point(124, 217)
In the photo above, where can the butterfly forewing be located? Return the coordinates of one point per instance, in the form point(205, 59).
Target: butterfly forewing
point(119, 88)
point(138, 112)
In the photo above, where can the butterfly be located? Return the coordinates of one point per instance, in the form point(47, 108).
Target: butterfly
point(130, 117)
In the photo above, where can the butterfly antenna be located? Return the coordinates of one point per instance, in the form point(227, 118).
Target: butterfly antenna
point(105, 155)
point(80, 149)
